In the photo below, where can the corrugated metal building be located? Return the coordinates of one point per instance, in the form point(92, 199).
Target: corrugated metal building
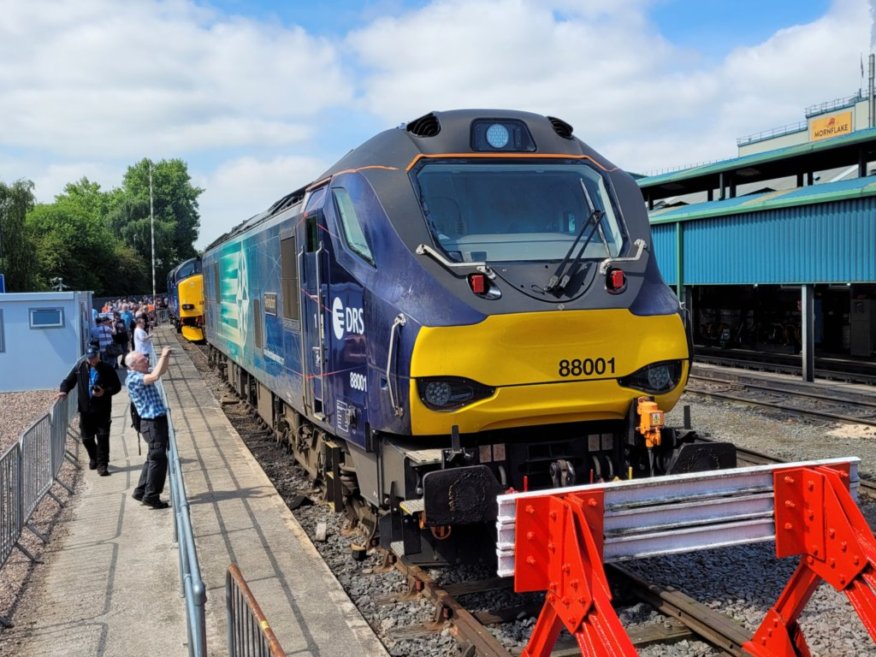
point(780, 236)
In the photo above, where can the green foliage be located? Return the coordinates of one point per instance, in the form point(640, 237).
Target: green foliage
point(174, 206)
point(16, 251)
point(101, 240)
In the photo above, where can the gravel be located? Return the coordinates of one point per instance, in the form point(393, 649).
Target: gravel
point(18, 411)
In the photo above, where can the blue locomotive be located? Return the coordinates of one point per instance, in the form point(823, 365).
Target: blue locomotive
point(461, 305)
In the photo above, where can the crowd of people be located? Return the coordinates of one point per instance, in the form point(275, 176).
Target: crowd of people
point(121, 339)
point(122, 326)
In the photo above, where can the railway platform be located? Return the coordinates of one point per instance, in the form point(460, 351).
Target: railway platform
point(110, 585)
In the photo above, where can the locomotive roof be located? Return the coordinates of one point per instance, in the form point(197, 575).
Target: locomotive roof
point(435, 133)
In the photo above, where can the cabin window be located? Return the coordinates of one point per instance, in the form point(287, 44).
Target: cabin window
point(289, 277)
point(216, 294)
point(353, 234)
point(46, 318)
point(258, 323)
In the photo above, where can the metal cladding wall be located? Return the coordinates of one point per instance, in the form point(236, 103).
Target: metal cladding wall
point(665, 247)
point(820, 243)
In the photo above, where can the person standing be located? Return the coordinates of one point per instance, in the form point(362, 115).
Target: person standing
point(153, 424)
point(97, 382)
point(142, 339)
point(120, 339)
point(102, 334)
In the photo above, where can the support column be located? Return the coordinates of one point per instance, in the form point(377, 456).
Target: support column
point(679, 260)
point(807, 331)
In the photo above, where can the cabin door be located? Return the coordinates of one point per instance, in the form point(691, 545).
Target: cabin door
point(314, 290)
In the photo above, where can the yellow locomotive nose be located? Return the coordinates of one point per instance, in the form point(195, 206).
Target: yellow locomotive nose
point(529, 369)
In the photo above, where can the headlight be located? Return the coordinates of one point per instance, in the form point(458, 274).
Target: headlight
point(188, 306)
point(656, 378)
point(449, 392)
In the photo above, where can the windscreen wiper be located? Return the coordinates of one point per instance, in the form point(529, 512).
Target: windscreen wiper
point(560, 278)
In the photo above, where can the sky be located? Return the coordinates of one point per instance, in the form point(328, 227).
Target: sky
point(259, 97)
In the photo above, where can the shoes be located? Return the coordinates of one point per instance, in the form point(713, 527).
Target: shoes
point(92, 465)
point(103, 471)
point(156, 504)
point(137, 497)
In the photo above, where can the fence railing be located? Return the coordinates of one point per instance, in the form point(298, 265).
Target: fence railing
point(191, 582)
point(28, 470)
point(30, 467)
point(249, 633)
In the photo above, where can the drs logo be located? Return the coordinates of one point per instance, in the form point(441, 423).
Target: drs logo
point(346, 320)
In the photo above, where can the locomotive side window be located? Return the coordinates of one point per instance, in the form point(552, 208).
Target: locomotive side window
point(353, 234)
point(258, 324)
point(516, 212)
point(216, 281)
point(289, 277)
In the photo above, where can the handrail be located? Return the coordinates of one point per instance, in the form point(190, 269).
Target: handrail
point(399, 321)
point(191, 582)
point(252, 632)
point(640, 249)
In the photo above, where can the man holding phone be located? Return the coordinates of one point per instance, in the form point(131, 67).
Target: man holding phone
point(97, 382)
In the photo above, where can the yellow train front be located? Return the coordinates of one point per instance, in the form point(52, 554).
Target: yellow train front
point(185, 289)
point(461, 305)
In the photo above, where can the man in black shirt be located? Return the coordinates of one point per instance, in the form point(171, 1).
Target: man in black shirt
point(97, 382)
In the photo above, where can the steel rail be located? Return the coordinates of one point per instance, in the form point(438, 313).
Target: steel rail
point(714, 627)
point(469, 628)
point(784, 407)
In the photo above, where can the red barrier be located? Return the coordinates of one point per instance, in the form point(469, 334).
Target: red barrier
point(816, 517)
point(559, 548)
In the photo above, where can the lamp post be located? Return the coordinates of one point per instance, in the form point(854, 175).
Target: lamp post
point(152, 229)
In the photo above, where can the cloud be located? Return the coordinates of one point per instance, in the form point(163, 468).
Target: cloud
point(241, 188)
point(99, 77)
point(604, 68)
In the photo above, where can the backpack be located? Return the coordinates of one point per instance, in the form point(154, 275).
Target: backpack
point(135, 418)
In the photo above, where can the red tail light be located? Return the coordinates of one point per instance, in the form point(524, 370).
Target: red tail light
point(477, 283)
point(615, 280)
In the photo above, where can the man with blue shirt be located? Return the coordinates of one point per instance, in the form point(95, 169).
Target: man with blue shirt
point(147, 401)
point(97, 382)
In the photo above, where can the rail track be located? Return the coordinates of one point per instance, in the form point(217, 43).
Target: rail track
point(852, 405)
point(848, 370)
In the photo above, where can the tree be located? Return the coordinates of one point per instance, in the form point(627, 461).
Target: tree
point(16, 251)
point(72, 240)
point(175, 210)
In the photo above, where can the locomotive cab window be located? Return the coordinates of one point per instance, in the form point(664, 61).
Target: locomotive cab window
point(353, 234)
point(516, 212)
point(289, 277)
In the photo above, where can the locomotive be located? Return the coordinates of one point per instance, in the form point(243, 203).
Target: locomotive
point(461, 305)
point(185, 299)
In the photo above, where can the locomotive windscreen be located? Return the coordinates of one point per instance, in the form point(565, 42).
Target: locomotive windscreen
point(514, 212)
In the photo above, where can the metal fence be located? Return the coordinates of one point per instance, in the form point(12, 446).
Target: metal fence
point(28, 470)
point(191, 582)
point(249, 633)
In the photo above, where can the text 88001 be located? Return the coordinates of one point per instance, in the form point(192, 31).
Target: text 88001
point(586, 367)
